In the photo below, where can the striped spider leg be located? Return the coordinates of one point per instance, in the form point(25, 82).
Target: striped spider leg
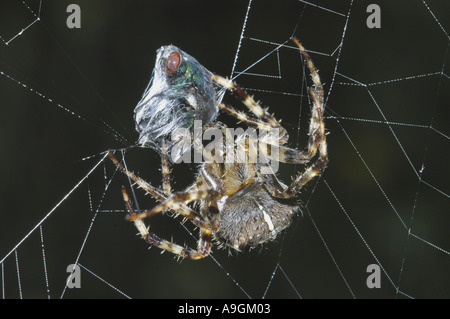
point(206, 228)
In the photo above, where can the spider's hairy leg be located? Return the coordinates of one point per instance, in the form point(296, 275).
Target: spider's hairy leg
point(253, 106)
point(165, 170)
point(161, 196)
point(316, 130)
point(204, 243)
point(241, 116)
point(176, 200)
point(153, 191)
point(289, 155)
point(203, 247)
point(316, 167)
point(143, 230)
point(314, 73)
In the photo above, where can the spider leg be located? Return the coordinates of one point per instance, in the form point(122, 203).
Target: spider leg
point(204, 243)
point(203, 246)
point(316, 131)
point(316, 167)
point(143, 230)
point(241, 116)
point(153, 191)
point(253, 106)
point(165, 170)
point(289, 155)
point(161, 196)
point(317, 142)
point(175, 201)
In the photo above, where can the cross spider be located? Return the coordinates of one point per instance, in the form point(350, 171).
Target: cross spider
point(237, 205)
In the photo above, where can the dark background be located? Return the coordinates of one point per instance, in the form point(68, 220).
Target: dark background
point(383, 179)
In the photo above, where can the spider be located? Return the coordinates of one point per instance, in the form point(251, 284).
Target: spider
point(237, 206)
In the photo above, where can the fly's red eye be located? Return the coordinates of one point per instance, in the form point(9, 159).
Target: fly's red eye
point(172, 62)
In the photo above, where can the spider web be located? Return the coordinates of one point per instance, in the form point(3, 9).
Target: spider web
point(68, 95)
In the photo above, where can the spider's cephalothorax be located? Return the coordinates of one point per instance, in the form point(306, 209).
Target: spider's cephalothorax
point(180, 91)
point(239, 206)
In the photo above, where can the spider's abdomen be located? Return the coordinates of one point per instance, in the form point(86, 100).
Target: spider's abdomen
point(251, 217)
